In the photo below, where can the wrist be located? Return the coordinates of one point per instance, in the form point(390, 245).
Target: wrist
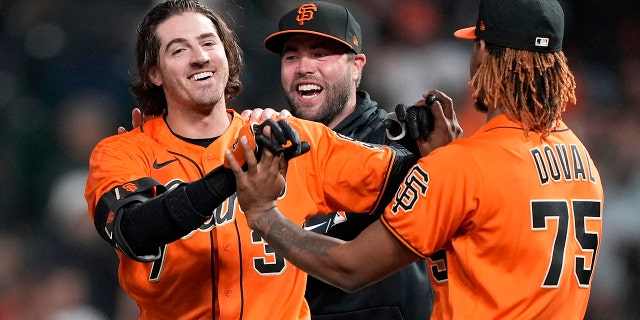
point(260, 219)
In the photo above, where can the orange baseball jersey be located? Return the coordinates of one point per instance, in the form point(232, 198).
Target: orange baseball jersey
point(510, 225)
point(224, 270)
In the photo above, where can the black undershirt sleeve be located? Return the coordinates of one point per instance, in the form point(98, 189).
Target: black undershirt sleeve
point(145, 226)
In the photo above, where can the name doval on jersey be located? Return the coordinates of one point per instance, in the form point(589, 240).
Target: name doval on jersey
point(566, 163)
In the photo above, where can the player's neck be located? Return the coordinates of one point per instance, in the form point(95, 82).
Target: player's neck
point(199, 125)
point(346, 111)
point(493, 112)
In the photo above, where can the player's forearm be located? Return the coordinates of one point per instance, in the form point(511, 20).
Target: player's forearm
point(140, 225)
point(313, 253)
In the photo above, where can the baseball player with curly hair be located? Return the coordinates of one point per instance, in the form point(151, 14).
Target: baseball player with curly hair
point(163, 198)
point(511, 216)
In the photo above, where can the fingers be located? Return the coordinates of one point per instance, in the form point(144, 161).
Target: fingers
point(417, 120)
point(284, 114)
point(269, 161)
point(412, 123)
point(136, 118)
point(289, 133)
point(233, 163)
point(279, 137)
point(267, 158)
point(401, 112)
point(268, 113)
point(297, 146)
point(283, 166)
point(448, 112)
point(276, 131)
point(248, 152)
point(444, 100)
point(270, 136)
point(260, 115)
point(253, 115)
point(425, 121)
point(292, 152)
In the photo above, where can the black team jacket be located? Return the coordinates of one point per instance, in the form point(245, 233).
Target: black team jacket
point(404, 295)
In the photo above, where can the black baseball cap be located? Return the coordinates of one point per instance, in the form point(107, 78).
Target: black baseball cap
point(534, 25)
point(320, 18)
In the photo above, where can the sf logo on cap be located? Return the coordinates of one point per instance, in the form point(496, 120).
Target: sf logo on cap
point(305, 12)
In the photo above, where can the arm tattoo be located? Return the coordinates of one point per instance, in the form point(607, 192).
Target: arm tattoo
point(284, 236)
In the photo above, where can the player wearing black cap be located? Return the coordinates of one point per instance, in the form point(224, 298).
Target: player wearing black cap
point(321, 48)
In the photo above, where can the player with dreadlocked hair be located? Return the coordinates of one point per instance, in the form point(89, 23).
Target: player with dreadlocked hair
point(532, 88)
point(508, 219)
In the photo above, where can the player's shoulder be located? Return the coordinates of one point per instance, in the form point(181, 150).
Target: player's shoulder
point(116, 144)
point(308, 128)
point(459, 154)
point(136, 139)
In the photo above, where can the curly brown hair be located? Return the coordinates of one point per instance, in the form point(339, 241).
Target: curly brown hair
point(151, 98)
point(531, 88)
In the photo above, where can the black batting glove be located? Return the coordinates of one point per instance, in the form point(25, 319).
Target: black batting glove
point(284, 139)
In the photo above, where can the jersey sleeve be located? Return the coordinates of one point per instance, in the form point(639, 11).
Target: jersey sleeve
point(114, 161)
point(343, 174)
point(427, 209)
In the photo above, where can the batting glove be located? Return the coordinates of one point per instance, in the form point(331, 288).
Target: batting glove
point(284, 139)
point(414, 122)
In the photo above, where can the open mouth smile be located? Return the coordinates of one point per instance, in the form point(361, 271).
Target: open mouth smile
point(309, 90)
point(201, 76)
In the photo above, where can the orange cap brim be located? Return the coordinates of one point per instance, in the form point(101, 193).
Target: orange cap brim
point(466, 33)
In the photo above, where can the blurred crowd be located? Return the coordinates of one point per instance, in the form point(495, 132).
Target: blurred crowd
point(65, 70)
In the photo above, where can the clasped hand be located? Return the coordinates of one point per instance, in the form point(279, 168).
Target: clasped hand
point(436, 130)
point(262, 181)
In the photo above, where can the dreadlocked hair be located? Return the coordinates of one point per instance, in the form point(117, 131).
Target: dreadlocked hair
point(531, 88)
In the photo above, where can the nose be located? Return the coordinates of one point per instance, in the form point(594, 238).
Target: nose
point(306, 65)
point(200, 56)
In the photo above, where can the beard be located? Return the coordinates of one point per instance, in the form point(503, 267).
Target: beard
point(336, 97)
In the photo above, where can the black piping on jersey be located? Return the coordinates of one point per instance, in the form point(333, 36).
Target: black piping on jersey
point(522, 129)
point(385, 191)
point(204, 143)
point(214, 292)
point(195, 164)
point(402, 239)
point(235, 223)
point(563, 130)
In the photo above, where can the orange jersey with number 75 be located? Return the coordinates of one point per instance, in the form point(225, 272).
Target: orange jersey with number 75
point(510, 224)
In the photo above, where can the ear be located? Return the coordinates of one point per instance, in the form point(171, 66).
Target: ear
point(481, 46)
point(358, 63)
point(154, 76)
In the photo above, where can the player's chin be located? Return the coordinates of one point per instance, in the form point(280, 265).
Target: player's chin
point(305, 104)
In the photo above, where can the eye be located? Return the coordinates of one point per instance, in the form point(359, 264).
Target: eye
point(177, 51)
point(289, 57)
point(208, 44)
point(321, 54)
